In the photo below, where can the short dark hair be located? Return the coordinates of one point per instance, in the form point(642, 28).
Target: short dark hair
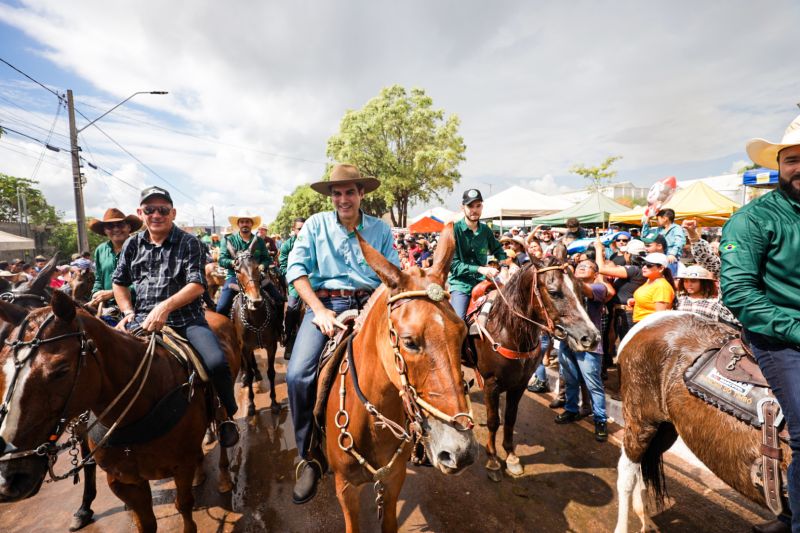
point(669, 213)
point(298, 219)
point(26, 266)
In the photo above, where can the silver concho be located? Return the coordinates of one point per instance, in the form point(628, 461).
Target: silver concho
point(435, 292)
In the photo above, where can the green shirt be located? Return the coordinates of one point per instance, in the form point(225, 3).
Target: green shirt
point(260, 252)
point(105, 263)
point(283, 260)
point(760, 280)
point(472, 249)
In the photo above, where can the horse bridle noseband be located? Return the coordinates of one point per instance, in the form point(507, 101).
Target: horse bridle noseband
point(257, 330)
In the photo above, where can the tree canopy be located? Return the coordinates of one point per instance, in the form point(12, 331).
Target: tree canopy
point(303, 202)
point(39, 211)
point(412, 148)
point(64, 238)
point(599, 176)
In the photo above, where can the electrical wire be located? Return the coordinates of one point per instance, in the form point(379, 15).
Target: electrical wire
point(34, 139)
point(47, 141)
point(40, 84)
point(23, 120)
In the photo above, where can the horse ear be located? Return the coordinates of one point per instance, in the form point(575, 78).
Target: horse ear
point(63, 306)
point(443, 255)
point(252, 246)
point(560, 252)
point(231, 250)
point(42, 280)
point(389, 274)
point(13, 314)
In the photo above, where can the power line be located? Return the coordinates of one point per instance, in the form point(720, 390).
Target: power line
point(13, 148)
point(104, 171)
point(43, 143)
point(40, 84)
point(23, 120)
point(47, 140)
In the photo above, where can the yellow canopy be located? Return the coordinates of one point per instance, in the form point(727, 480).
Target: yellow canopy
point(699, 202)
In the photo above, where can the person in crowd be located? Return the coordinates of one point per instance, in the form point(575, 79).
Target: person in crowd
point(425, 258)
point(546, 239)
point(327, 269)
point(574, 226)
point(697, 293)
point(702, 252)
point(518, 246)
point(116, 227)
point(166, 265)
point(16, 266)
point(588, 364)
point(614, 252)
point(635, 234)
point(673, 235)
point(474, 242)
point(39, 262)
point(535, 249)
point(759, 249)
point(28, 272)
point(655, 242)
point(515, 231)
point(658, 292)
point(293, 303)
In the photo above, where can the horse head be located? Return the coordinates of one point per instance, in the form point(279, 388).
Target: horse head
point(40, 390)
point(561, 299)
point(421, 335)
point(81, 282)
point(248, 273)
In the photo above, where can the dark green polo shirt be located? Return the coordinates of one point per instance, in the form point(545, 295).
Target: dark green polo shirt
point(471, 252)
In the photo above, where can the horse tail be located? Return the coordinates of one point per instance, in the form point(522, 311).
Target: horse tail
point(653, 462)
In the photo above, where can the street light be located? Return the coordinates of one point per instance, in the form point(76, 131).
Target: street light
point(80, 213)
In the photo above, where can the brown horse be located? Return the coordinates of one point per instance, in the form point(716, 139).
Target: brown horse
point(214, 279)
point(406, 360)
point(543, 295)
point(255, 317)
point(81, 282)
point(63, 353)
point(658, 407)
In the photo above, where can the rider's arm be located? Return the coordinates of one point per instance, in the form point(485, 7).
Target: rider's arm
point(283, 256)
point(606, 267)
point(98, 279)
point(304, 290)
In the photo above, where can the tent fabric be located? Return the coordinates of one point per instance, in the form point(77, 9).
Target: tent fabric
point(9, 241)
point(760, 177)
point(426, 225)
point(700, 202)
point(593, 210)
point(437, 213)
point(517, 202)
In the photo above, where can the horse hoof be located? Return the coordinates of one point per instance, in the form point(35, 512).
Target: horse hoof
point(513, 467)
point(80, 520)
point(251, 410)
point(493, 470)
point(199, 478)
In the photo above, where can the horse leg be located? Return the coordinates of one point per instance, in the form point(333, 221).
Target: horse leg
point(83, 516)
point(271, 350)
point(225, 483)
point(139, 499)
point(630, 480)
point(348, 500)
point(390, 496)
point(513, 397)
point(491, 395)
point(184, 499)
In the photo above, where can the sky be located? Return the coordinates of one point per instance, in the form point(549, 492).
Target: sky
point(257, 87)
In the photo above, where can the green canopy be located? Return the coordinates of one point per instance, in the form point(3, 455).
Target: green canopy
point(593, 210)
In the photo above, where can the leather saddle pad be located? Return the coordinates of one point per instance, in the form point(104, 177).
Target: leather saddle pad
point(180, 348)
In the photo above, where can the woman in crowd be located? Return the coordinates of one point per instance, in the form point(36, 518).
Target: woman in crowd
point(698, 293)
point(657, 293)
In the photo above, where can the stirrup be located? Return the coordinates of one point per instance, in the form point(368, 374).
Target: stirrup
point(303, 463)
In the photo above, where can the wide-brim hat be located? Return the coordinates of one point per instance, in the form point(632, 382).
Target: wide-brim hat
point(695, 272)
point(234, 220)
point(113, 214)
point(765, 153)
point(341, 174)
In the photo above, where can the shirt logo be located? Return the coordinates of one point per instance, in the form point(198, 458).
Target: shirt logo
point(731, 246)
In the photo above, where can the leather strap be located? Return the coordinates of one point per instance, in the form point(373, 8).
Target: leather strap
point(771, 456)
point(341, 293)
point(507, 352)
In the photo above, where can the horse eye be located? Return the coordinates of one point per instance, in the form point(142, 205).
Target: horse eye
point(60, 372)
point(410, 344)
point(555, 294)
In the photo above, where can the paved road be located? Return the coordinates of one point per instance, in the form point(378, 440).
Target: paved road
point(569, 485)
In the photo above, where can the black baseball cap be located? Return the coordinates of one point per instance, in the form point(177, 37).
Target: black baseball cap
point(151, 192)
point(471, 195)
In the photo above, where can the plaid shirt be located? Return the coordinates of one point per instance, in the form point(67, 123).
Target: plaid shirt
point(159, 272)
point(708, 307)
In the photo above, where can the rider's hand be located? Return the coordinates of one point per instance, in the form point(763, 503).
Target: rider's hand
point(124, 322)
point(690, 226)
point(671, 258)
point(325, 320)
point(157, 318)
point(489, 272)
point(101, 296)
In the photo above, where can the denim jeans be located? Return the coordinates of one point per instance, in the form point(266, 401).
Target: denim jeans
point(301, 374)
point(460, 302)
point(541, 372)
point(780, 364)
point(226, 296)
point(587, 365)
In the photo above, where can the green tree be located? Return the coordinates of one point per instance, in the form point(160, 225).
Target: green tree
point(303, 202)
point(400, 139)
point(748, 167)
point(39, 211)
point(64, 238)
point(599, 176)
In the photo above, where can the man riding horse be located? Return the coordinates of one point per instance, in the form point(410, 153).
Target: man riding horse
point(759, 249)
point(293, 302)
point(166, 266)
point(329, 272)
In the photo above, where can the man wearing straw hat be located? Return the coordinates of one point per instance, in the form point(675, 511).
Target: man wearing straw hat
point(761, 286)
point(117, 227)
point(328, 270)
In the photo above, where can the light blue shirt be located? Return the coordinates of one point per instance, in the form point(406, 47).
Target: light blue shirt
point(332, 258)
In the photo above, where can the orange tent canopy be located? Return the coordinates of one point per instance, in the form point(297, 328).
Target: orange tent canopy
point(426, 225)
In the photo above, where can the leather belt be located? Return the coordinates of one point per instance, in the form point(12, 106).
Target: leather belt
point(342, 293)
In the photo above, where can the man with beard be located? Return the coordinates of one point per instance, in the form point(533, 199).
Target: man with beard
point(474, 243)
point(760, 285)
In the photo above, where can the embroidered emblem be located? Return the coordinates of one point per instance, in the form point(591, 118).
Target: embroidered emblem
point(729, 247)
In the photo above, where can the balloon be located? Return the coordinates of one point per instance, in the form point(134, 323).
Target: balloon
point(659, 194)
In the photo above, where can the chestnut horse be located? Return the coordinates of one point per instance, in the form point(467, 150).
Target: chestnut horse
point(81, 282)
point(214, 279)
point(63, 353)
point(658, 407)
point(400, 385)
point(257, 322)
point(543, 295)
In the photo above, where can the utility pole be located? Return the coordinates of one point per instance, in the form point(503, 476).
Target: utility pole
point(213, 221)
point(77, 179)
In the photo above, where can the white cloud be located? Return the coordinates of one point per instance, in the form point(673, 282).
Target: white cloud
point(547, 185)
point(738, 165)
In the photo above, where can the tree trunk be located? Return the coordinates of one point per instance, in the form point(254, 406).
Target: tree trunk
point(394, 219)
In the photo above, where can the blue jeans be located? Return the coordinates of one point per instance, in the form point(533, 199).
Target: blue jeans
point(541, 371)
point(226, 296)
point(780, 364)
point(301, 374)
point(460, 303)
point(589, 365)
point(673, 267)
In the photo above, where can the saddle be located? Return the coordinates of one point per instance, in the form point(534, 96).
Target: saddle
point(481, 301)
point(180, 348)
point(729, 378)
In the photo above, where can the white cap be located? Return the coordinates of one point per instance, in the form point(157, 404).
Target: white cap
point(634, 247)
point(656, 258)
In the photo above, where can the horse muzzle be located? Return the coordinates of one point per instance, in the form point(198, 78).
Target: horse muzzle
point(449, 448)
point(21, 478)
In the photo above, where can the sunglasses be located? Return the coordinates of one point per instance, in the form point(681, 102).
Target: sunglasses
point(652, 265)
point(623, 240)
point(116, 224)
point(162, 210)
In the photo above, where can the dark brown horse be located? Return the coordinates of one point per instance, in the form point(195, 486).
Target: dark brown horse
point(63, 353)
point(542, 295)
point(81, 282)
point(658, 407)
point(406, 358)
point(257, 322)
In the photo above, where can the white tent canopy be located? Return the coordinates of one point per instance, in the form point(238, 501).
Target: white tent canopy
point(517, 202)
point(439, 213)
point(11, 242)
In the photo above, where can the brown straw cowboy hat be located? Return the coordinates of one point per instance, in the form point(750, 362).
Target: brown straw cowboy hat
point(113, 214)
point(341, 174)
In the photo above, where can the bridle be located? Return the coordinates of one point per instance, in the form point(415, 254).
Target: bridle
point(242, 294)
point(413, 406)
